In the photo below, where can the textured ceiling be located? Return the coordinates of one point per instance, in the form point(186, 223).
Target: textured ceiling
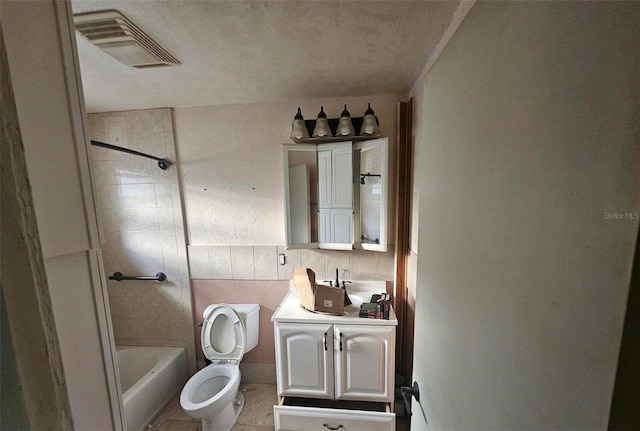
point(255, 51)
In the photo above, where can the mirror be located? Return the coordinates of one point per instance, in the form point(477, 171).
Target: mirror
point(370, 194)
point(336, 195)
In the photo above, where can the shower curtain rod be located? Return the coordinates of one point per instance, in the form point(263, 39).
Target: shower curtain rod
point(162, 163)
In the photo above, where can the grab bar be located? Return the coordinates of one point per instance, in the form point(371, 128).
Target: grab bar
point(162, 163)
point(117, 276)
point(365, 239)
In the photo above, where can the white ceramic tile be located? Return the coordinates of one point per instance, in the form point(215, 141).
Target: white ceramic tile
point(99, 153)
point(338, 259)
point(114, 241)
point(142, 242)
point(220, 262)
point(106, 172)
point(292, 260)
point(314, 259)
point(167, 119)
point(110, 196)
point(96, 128)
point(135, 171)
point(265, 262)
point(385, 265)
point(242, 266)
point(171, 264)
point(146, 264)
point(175, 195)
point(116, 131)
point(170, 147)
point(151, 143)
point(199, 262)
point(181, 241)
point(140, 219)
point(145, 120)
point(183, 264)
point(178, 219)
point(138, 196)
point(168, 241)
point(363, 265)
point(113, 219)
point(165, 218)
point(163, 195)
point(168, 175)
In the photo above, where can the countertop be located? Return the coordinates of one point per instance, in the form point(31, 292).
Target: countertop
point(291, 311)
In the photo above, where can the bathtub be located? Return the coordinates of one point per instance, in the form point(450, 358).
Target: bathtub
point(149, 377)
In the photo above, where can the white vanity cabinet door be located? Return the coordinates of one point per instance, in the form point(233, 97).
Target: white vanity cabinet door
point(364, 362)
point(342, 176)
point(341, 222)
point(304, 360)
point(324, 225)
point(324, 179)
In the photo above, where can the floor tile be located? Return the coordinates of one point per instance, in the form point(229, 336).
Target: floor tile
point(175, 425)
point(259, 402)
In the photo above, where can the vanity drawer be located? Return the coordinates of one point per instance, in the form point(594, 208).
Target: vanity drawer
point(296, 418)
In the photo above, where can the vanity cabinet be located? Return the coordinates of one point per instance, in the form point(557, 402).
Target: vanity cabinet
point(343, 362)
point(333, 372)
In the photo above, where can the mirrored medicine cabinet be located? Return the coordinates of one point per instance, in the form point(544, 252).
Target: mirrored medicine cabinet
point(336, 195)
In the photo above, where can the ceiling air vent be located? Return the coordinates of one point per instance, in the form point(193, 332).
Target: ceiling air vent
point(120, 38)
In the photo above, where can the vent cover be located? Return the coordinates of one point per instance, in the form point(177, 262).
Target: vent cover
point(121, 39)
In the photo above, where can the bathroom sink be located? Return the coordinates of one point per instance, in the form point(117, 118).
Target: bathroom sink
point(356, 300)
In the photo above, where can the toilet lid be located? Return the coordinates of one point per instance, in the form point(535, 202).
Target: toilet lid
point(223, 335)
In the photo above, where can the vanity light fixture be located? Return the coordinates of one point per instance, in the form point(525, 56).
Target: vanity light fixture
point(322, 128)
point(369, 123)
point(299, 129)
point(345, 126)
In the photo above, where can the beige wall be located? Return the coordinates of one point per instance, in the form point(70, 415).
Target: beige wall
point(143, 229)
point(231, 179)
point(528, 140)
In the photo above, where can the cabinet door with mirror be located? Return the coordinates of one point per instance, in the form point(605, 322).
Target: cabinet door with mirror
point(336, 195)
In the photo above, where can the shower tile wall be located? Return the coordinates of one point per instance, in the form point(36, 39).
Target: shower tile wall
point(143, 229)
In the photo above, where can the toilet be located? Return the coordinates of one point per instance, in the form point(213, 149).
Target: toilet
point(228, 331)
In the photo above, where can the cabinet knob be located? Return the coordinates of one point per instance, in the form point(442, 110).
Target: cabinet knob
point(327, 426)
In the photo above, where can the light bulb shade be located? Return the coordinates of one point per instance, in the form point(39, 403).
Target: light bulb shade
point(299, 128)
point(345, 127)
point(369, 123)
point(322, 128)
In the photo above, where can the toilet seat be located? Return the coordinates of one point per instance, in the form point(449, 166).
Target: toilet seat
point(223, 335)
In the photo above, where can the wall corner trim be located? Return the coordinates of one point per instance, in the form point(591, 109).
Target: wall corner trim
point(458, 16)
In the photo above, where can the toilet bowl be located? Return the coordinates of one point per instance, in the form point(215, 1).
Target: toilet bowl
point(228, 331)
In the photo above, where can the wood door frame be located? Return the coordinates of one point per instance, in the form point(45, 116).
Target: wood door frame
point(404, 345)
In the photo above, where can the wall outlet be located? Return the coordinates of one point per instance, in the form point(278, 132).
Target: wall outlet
point(282, 259)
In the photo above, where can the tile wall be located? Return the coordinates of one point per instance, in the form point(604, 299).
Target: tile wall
point(143, 229)
point(261, 263)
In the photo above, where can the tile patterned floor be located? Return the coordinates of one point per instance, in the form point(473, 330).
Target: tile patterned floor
point(257, 414)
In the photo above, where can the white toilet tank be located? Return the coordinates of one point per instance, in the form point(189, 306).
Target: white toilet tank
point(249, 313)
